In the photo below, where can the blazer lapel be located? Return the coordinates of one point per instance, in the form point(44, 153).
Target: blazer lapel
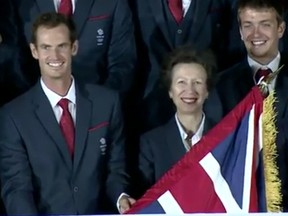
point(47, 118)
point(45, 6)
point(83, 117)
point(158, 13)
point(81, 13)
point(174, 142)
point(200, 11)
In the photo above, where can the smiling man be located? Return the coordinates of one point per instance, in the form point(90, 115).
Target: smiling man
point(61, 143)
point(260, 31)
point(261, 26)
point(107, 55)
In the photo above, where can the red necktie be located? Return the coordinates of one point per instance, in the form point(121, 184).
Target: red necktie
point(175, 7)
point(65, 7)
point(262, 72)
point(67, 125)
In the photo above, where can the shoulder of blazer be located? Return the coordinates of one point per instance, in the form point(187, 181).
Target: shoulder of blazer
point(26, 99)
point(163, 129)
point(94, 91)
point(240, 71)
point(235, 70)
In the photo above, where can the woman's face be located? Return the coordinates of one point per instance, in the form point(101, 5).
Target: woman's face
point(188, 88)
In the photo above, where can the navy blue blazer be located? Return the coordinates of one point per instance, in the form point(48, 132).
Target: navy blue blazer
point(107, 52)
point(37, 173)
point(233, 85)
point(160, 149)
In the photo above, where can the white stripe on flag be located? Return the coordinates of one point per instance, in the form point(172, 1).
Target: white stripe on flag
point(212, 168)
point(248, 162)
point(169, 204)
point(260, 135)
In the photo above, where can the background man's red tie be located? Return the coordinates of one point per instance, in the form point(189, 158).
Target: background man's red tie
point(67, 125)
point(176, 9)
point(262, 72)
point(66, 7)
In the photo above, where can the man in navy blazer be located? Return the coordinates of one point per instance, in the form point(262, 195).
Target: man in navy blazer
point(38, 175)
point(105, 32)
point(261, 27)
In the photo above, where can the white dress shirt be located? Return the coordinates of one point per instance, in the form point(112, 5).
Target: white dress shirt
point(57, 4)
point(55, 98)
point(185, 6)
point(196, 137)
point(273, 66)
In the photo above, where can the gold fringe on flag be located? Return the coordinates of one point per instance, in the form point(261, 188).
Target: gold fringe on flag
point(272, 181)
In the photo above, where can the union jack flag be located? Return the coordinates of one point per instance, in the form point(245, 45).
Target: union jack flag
point(219, 173)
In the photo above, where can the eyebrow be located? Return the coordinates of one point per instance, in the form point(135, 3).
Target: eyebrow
point(44, 45)
point(65, 43)
point(48, 45)
point(266, 20)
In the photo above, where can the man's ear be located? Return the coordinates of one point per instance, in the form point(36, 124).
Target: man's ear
point(34, 50)
point(281, 29)
point(207, 95)
point(75, 46)
point(240, 31)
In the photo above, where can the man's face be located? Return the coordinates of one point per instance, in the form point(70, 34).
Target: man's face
point(260, 33)
point(54, 52)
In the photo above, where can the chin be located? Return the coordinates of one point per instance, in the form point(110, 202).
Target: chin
point(188, 111)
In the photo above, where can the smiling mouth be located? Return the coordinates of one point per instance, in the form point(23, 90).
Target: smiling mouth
point(189, 100)
point(55, 64)
point(258, 43)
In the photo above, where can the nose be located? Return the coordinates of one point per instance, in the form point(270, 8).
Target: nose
point(54, 53)
point(192, 87)
point(256, 31)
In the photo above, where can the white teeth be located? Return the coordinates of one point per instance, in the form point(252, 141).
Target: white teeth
point(257, 43)
point(189, 100)
point(55, 64)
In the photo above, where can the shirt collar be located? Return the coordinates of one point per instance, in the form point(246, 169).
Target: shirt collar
point(273, 65)
point(198, 133)
point(54, 98)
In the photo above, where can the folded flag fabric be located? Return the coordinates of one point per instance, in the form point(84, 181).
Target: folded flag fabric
point(223, 172)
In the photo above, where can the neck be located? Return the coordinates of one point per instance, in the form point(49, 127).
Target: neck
point(264, 60)
point(190, 122)
point(60, 87)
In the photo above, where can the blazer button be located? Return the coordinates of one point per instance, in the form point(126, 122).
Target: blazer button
point(75, 189)
point(179, 31)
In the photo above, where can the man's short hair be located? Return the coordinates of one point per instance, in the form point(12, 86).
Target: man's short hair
point(262, 4)
point(52, 20)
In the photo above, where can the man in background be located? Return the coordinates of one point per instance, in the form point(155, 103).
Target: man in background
point(106, 55)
